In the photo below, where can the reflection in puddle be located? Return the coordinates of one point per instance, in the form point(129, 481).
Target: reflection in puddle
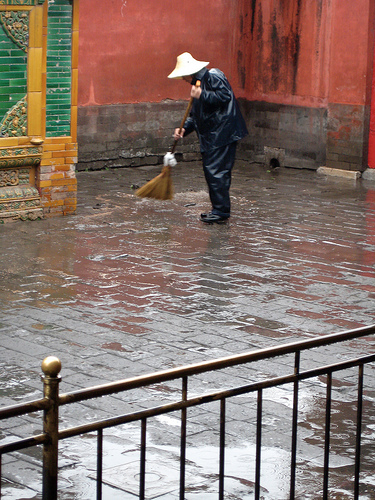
point(162, 473)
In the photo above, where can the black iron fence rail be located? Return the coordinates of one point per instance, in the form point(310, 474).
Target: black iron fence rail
point(52, 401)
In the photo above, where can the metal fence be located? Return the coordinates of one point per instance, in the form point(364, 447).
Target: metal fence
point(53, 401)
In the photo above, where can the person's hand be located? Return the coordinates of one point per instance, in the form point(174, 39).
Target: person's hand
point(178, 134)
point(170, 160)
point(196, 91)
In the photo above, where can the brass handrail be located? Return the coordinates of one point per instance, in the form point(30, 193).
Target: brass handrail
point(24, 408)
point(210, 397)
point(206, 366)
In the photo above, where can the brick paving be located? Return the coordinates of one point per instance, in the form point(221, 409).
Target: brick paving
point(130, 286)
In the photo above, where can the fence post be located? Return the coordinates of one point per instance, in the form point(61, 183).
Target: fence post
point(51, 367)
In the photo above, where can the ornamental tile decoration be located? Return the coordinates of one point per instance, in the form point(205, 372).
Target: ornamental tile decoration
point(15, 151)
point(19, 162)
point(9, 178)
point(11, 157)
point(15, 177)
point(20, 203)
point(16, 26)
point(24, 176)
point(22, 2)
point(14, 123)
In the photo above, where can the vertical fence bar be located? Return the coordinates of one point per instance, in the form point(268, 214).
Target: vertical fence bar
point(294, 429)
point(327, 435)
point(99, 465)
point(183, 440)
point(51, 367)
point(258, 445)
point(358, 433)
point(142, 479)
point(222, 449)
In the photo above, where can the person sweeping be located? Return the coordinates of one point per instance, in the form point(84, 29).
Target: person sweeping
point(216, 118)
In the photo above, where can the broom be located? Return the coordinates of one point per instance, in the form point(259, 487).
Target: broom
point(161, 187)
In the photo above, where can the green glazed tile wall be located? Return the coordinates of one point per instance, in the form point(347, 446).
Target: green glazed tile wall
point(13, 73)
point(59, 72)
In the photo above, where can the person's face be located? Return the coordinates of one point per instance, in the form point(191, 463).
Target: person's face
point(187, 78)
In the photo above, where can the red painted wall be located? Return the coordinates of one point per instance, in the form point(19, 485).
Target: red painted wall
point(312, 54)
point(351, 51)
point(371, 152)
point(304, 52)
point(128, 47)
point(284, 49)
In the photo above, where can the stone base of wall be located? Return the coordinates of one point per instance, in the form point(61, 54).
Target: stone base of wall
point(369, 174)
point(296, 135)
point(130, 135)
point(347, 137)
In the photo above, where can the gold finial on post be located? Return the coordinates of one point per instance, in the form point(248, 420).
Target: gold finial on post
point(51, 366)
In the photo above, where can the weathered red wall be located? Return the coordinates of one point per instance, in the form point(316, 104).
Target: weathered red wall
point(371, 152)
point(303, 68)
point(128, 47)
point(311, 54)
point(284, 49)
point(300, 52)
point(350, 65)
point(304, 52)
point(350, 77)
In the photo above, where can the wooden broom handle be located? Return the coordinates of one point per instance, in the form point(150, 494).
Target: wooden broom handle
point(197, 84)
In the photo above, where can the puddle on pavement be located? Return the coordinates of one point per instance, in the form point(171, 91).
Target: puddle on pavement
point(162, 473)
point(12, 491)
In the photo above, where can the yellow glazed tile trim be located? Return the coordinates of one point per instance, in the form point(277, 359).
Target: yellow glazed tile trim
point(34, 73)
point(63, 154)
point(75, 25)
point(55, 147)
point(74, 95)
point(73, 124)
point(35, 113)
point(36, 27)
point(75, 50)
point(58, 140)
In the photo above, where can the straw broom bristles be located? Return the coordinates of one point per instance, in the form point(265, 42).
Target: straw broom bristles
point(159, 188)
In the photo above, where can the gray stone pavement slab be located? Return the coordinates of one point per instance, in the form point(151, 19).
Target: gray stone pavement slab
point(129, 286)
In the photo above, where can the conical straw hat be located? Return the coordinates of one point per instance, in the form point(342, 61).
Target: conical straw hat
point(186, 65)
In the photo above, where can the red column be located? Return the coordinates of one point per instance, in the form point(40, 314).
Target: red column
point(371, 146)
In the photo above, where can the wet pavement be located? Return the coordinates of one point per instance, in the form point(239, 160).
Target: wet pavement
point(129, 286)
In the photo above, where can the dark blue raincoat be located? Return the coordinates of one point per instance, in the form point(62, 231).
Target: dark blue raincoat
point(218, 121)
point(215, 116)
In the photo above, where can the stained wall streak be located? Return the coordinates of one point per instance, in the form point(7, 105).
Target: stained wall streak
point(296, 46)
point(277, 54)
point(285, 54)
point(241, 70)
point(253, 9)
